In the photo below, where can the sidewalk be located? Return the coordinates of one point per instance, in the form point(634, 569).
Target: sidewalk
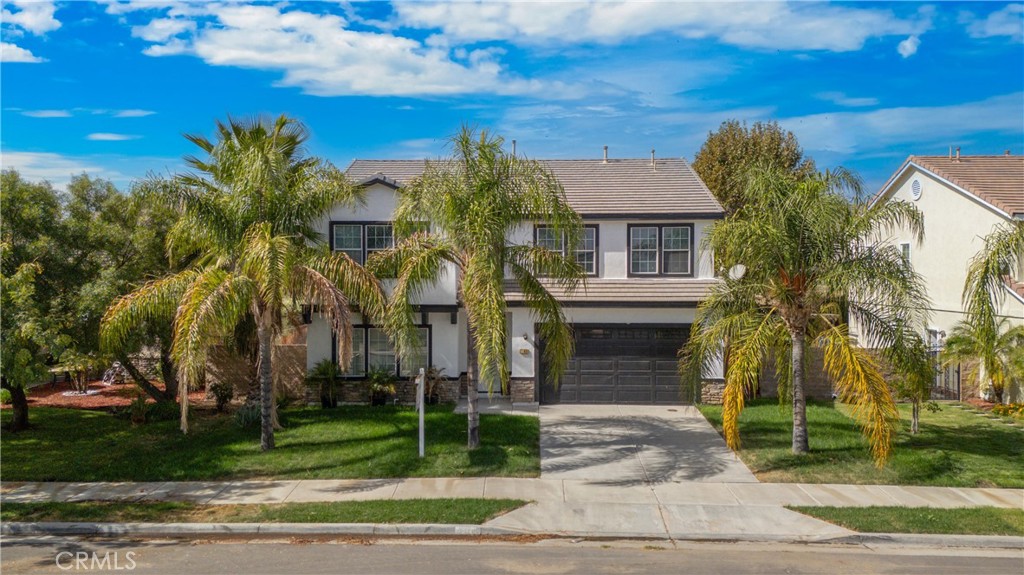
point(578, 508)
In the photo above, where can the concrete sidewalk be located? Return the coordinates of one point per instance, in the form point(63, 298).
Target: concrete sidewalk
point(674, 510)
point(571, 491)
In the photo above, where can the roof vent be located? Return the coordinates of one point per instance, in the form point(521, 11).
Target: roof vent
point(1007, 152)
point(605, 155)
point(513, 147)
point(915, 190)
point(653, 165)
point(957, 154)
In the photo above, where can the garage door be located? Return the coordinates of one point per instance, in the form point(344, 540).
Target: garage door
point(620, 364)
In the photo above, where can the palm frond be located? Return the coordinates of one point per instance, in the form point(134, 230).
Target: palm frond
point(155, 300)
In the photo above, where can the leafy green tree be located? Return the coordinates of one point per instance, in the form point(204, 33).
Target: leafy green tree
point(474, 200)
point(803, 259)
point(991, 351)
point(729, 154)
point(248, 219)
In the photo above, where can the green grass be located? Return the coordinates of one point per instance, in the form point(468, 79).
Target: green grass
point(974, 521)
point(954, 448)
point(462, 511)
point(341, 443)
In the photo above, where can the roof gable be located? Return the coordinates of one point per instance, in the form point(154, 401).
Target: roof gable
point(995, 180)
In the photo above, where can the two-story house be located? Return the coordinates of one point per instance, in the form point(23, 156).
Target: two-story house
point(644, 220)
point(963, 198)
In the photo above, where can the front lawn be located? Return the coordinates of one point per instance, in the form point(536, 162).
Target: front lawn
point(460, 511)
point(954, 448)
point(974, 521)
point(341, 443)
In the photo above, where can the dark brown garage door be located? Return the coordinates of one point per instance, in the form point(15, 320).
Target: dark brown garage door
point(621, 364)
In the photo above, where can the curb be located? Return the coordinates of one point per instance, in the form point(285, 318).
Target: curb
point(460, 530)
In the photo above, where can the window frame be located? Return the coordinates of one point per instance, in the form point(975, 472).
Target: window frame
point(566, 251)
point(363, 225)
point(660, 262)
point(906, 251)
point(364, 329)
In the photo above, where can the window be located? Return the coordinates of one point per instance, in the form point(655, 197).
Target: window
point(359, 240)
point(905, 251)
point(661, 250)
point(371, 349)
point(585, 253)
point(643, 250)
point(348, 238)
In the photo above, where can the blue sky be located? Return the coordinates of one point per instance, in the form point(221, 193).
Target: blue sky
point(109, 88)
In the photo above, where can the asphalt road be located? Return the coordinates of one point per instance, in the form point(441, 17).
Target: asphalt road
point(59, 555)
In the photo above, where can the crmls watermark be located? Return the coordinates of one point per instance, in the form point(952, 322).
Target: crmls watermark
point(93, 561)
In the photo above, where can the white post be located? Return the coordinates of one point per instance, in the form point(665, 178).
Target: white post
point(420, 403)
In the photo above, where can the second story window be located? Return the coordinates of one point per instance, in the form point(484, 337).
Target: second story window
point(359, 240)
point(661, 250)
point(585, 253)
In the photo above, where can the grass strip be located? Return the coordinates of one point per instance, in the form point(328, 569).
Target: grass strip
point(448, 511)
point(962, 521)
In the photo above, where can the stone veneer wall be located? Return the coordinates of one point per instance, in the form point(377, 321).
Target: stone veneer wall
point(358, 391)
point(711, 391)
point(523, 390)
point(817, 384)
point(289, 370)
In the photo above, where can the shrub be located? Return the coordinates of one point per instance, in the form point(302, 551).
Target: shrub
point(1009, 410)
point(248, 416)
point(382, 384)
point(323, 379)
point(223, 393)
point(163, 411)
point(5, 397)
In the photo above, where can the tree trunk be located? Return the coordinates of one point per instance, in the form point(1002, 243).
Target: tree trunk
point(168, 372)
point(141, 381)
point(472, 395)
point(800, 444)
point(263, 369)
point(19, 405)
point(915, 414)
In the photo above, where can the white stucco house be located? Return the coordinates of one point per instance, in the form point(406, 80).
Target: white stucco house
point(644, 220)
point(962, 198)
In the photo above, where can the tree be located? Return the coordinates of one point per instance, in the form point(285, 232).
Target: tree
point(729, 154)
point(992, 352)
point(984, 335)
point(247, 219)
point(473, 201)
point(804, 258)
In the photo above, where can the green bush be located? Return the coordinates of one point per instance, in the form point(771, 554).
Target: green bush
point(223, 393)
point(248, 416)
point(5, 397)
point(163, 411)
point(1009, 410)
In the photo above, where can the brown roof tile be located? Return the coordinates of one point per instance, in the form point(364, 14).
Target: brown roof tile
point(638, 290)
point(596, 188)
point(999, 180)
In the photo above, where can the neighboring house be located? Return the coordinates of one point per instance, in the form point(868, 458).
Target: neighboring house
point(646, 273)
point(962, 198)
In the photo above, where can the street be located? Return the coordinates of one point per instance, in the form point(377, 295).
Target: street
point(454, 557)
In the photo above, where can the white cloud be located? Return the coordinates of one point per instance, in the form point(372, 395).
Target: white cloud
point(841, 99)
point(109, 137)
point(47, 113)
point(1006, 22)
point(13, 53)
point(133, 113)
point(32, 16)
point(163, 29)
point(763, 25)
point(54, 168)
point(854, 132)
point(908, 47)
point(320, 54)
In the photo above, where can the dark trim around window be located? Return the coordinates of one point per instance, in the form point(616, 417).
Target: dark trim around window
point(362, 233)
point(660, 251)
point(364, 328)
point(566, 251)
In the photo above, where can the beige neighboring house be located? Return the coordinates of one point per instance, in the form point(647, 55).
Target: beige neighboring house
point(962, 198)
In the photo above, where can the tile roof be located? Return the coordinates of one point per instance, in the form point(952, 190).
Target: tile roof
point(999, 180)
point(631, 290)
point(595, 188)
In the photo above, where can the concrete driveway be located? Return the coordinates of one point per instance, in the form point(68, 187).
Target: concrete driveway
point(634, 445)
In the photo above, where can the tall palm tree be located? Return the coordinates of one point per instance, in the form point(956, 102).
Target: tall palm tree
point(248, 217)
point(805, 261)
point(474, 200)
point(992, 352)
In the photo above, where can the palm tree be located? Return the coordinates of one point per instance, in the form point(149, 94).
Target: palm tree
point(984, 336)
point(474, 201)
point(804, 262)
point(248, 216)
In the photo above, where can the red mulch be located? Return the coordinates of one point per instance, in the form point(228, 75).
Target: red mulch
point(51, 395)
point(979, 403)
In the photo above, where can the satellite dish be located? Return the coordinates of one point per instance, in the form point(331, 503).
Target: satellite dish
point(737, 271)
